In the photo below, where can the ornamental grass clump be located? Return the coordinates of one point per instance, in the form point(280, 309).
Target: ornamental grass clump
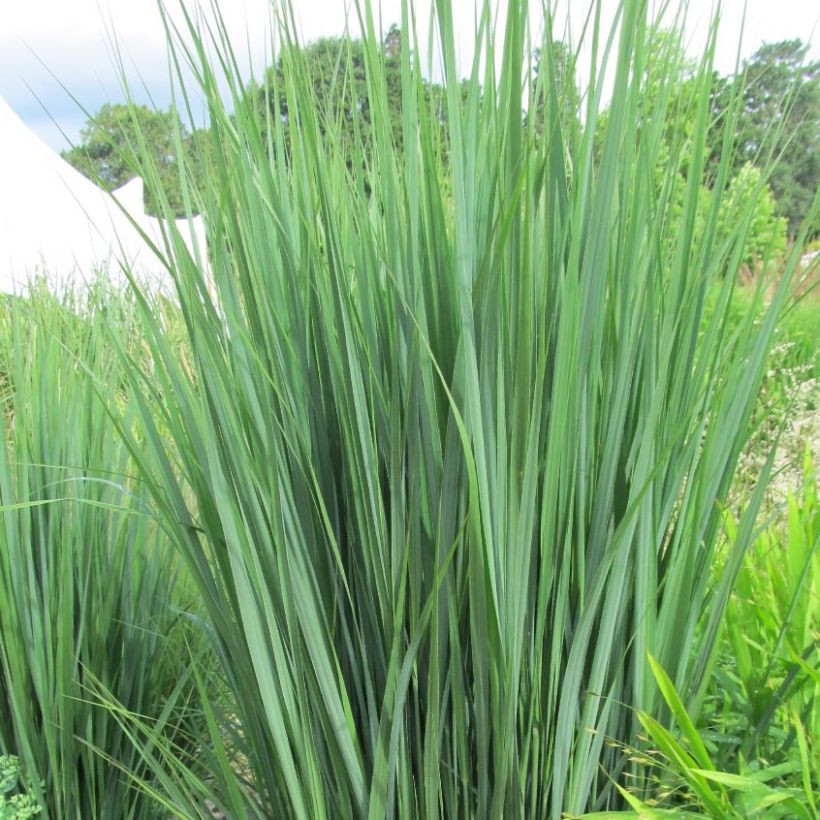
point(90, 604)
point(450, 457)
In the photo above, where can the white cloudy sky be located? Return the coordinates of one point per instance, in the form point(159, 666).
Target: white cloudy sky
point(53, 49)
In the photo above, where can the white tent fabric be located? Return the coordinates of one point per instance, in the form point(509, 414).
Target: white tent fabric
point(57, 225)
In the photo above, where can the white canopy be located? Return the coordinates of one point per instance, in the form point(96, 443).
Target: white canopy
point(58, 225)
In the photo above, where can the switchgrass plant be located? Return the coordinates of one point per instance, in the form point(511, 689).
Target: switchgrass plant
point(451, 455)
point(89, 592)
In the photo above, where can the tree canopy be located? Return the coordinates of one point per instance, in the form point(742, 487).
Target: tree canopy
point(777, 91)
point(780, 92)
point(335, 67)
point(109, 139)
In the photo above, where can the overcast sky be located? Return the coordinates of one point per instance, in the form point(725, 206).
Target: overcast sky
point(53, 49)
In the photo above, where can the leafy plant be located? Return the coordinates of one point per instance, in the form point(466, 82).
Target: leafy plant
point(771, 671)
point(749, 192)
point(20, 806)
point(709, 791)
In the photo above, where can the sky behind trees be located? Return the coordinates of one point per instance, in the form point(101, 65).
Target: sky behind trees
point(51, 50)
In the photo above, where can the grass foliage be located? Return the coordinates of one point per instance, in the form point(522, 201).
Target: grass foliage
point(87, 583)
point(450, 458)
point(441, 434)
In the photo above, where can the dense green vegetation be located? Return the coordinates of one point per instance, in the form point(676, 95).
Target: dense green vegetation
point(444, 490)
point(15, 804)
point(753, 752)
point(89, 590)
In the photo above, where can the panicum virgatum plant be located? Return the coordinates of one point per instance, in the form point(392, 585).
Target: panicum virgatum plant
point(89, 598)
point(450, 460)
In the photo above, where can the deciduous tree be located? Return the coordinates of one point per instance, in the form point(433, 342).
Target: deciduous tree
point(105, 153)
point(781, 115)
